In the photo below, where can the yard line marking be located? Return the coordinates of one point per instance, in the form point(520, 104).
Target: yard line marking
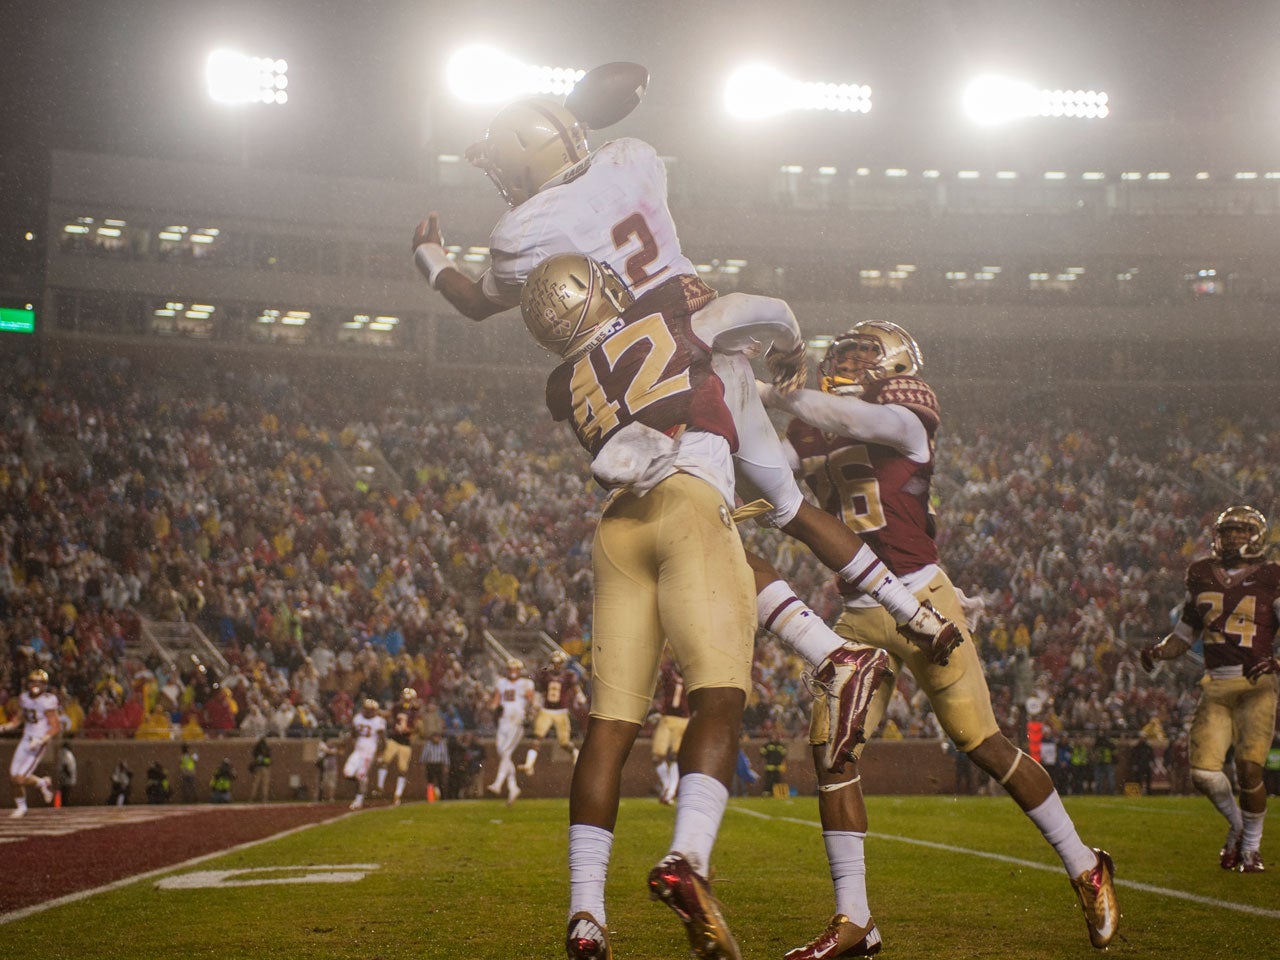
point(1032, 865)
point(125, 881)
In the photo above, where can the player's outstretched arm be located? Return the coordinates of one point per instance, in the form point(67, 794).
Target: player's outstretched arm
point(1171, 646)
point(464, 294)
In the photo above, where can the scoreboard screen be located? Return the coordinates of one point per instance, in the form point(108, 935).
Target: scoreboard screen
point(13, 320)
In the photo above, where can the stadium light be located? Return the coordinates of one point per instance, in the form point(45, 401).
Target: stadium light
point(758, 90)
point(484, 74)
point(990, 100)
point(234, 78)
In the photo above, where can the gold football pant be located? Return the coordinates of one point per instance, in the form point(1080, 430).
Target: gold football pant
point(1233, 710)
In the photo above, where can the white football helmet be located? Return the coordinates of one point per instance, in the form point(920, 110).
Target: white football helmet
point(1245, 518)
point(878, 349)
point(529, 144)
point(567, 298)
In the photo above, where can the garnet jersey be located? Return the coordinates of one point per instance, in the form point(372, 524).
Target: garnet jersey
point(404, 722)
point(368, 729)
point(1236, 611)
point(874, 488)
point(557, 688)
point(615, 211)
point(35, 714)
point(672, 701)
point(513, 698)
point(650, 369)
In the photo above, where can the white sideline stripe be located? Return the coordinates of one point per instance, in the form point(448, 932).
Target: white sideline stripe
point(1032, 865)
point(160, 871)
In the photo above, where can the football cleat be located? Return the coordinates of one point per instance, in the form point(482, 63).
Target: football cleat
point(46, 789)
point(1251, 862)
point(933, 633)
point(677, 884)
point(842, 938)
point(494, 788)
point(526, 768)
point(849, 678)
point(587, 939)
point(18, 813)
point(513, 794)
point(356, 804)
point(1230, 855)
point(1096, 891)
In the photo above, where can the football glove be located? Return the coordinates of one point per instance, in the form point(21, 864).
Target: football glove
point(1262, 668)
point(788, 369)
point(1148, 656)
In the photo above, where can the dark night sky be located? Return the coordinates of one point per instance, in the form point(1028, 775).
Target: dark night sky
point(1191, 83)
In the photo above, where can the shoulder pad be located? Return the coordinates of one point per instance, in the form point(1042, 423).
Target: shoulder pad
point(910, 392)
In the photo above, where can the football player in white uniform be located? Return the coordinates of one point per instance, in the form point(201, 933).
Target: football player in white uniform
point(38, 717)
point(513, 695)
point(610, 204)
point(369, 728)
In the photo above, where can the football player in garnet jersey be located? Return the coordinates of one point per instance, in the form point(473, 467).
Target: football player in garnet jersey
point(38, 717)
point(404, 726)
point(557, 688)
point(864, 443)
point(673, 718)
point(611, 205)
point(1232, 603)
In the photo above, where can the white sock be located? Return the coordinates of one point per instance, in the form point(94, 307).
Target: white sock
point(848, 865)
point(787, 617)
point(506, 769)
point(530, 758)
point(1052, 819)
point(399, 787)
point(869, 575)
point(673, 776)
point(589, 851)
point(699, 808)
point(1215, 785)
point(382, 777)
point(20, 803)
point(1252, 830)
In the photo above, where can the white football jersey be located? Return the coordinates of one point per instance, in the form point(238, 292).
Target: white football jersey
point(615, 212)
point(368, 730)
point(514, 696)
point(35, 714)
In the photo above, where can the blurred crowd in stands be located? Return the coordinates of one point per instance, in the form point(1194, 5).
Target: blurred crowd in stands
point(226, 498)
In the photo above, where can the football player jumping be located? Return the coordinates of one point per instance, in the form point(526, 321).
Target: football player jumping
point(405, 724)
point(864, 443)
point(1232, 603)
point(512, 695)
point(611, 204)
point(636, 385)
point(38, 711)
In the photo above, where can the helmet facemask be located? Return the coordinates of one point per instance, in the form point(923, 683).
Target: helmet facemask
point(871, 350)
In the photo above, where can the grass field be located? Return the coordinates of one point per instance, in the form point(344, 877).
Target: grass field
point(951, 878)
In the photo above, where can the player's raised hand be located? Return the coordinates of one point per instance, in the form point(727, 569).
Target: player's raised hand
point(1148, 656)
point(428, 231)
point(788, 368)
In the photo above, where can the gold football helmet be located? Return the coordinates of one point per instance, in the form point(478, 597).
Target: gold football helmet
point(559, 658)
point(370, 705)
point(408, 695)
point(870, 350)
point(566, 299)
point(1246, 518)
point(528, 144)
point(37, 678)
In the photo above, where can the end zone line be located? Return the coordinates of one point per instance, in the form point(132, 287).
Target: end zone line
point(1032, 865)
point(159, 871)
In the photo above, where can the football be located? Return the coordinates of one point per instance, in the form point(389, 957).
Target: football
point(607, 94)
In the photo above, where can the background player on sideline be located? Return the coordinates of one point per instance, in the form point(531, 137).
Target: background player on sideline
point(1233, 604)
point(38, 717)
point(369, 727)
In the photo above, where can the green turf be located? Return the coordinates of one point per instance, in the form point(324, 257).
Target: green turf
point(479, 880)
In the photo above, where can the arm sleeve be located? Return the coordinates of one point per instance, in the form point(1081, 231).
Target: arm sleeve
point(889, 424)
point(744, 323)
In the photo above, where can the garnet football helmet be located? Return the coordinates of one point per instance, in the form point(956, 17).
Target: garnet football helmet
point(566, 299)
point(528, 144)
point(1246, 518)
point(879, 349)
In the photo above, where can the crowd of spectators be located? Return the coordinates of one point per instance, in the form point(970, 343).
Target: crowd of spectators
point(223, 497)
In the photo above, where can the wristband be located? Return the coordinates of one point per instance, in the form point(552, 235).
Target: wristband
point(431, 259)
